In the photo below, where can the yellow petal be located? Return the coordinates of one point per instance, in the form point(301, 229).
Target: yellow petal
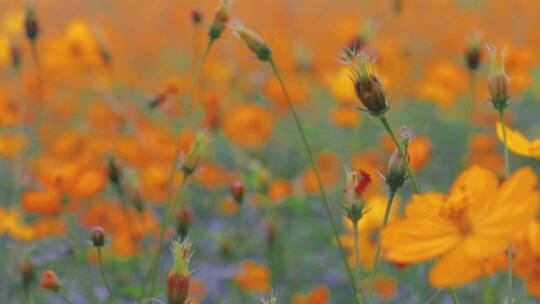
point(455, 268)
point(517, 143)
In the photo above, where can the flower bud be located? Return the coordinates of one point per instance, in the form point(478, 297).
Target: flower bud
point(50, 281)
point(221, 18)
point(27, 271)
point(31, 25)
point(196, 17)
point(194, 154)
point(237, 190)
point(98, 237)
point(178, 277)
point(396, 174)
point(16, 55)
point(184, 217)
point(114, 172)
point(498, 80)
point(367, 86)
point(254, 43)
point(356, 183)
point(472, 57)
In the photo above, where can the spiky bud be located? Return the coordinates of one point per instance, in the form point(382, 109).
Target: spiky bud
point(237, 190)
point(221, 18)
point(367, 85)
point(194, 154)
point(498, 80)
point(179, 276)
point(50, 281)
point(254, 43)
point(31, 25)
point(98, 237)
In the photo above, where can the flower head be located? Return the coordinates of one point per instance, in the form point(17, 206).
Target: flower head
point(49, 280)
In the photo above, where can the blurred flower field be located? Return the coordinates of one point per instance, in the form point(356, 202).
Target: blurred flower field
point(284, 151)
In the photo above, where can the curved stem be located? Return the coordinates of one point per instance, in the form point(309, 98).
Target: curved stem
point(102, 270)
point(455, 299)
point(401, 153)
point(315, 168)
point(378, 250)
point(196, 74)
point(507, 174)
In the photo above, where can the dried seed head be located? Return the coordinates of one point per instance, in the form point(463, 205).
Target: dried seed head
point(367, 85)
point(221, 18)
point(50, 281)
point(31, 25)
point(98, 237)
point(498, 80)
point(254, 42)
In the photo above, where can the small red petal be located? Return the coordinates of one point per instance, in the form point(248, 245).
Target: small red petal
point(365, 179)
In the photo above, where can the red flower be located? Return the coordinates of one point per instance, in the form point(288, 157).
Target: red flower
point(364, 181)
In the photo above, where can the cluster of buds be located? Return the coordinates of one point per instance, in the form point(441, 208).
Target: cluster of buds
point(473, 54)
point(221, 18)
point(498, 80)
point(179, 276)
point(367, 85)
point(254, 43)
point(50, 281)
point(356, 183)
point(193, 156)
point(98, 237)
point(31, 25)
point(237, 191)
point(396, 173)
point(184, 218)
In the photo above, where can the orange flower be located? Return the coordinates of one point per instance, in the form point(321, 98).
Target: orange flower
point(89, 183)
point(248, 125)
point(253, 278)
point(11, 145)
point(385, 287)
point(50, 280)
point(43, 202)
point(279, 190)
point(330, 170)
point(345, 116)
point(474, 222)
point(154, 181)
point(319, 295)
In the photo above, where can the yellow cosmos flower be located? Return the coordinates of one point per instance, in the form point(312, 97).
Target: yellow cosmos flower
point(368, 229)
point(473, 223)
point(519, 144)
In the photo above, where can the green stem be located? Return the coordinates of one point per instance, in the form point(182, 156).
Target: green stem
point(507, 174)
point(102, 270)
point(356, 247)
point(455, 299)
point(187, 101)
point(401, 153)
point(487, 290)
point(155, 262)
point(378, 250)
point(315, 168)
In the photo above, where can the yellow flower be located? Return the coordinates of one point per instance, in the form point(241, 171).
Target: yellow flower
point(475, 222)
point(519, 144)
point(368, 228)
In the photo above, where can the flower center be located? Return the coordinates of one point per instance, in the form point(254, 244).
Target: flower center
point(458, 215)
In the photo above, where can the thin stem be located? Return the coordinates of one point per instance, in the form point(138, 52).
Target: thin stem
point(401, 153)
point(315, 168)
point(356, 248)
point(455, 299)
point(170, 197)
point(487, 291)
point(378, 250)
point(507, 174)
point(155, 262)
point(102, 270)
point(187, 101)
